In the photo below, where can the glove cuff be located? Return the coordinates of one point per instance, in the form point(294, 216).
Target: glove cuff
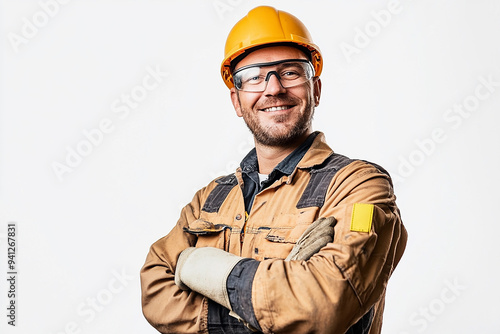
point(205, 270)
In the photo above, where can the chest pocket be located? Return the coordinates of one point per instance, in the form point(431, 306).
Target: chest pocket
point(209, 234)
point(276, 242)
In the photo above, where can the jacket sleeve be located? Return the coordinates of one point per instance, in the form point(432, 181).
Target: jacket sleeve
point(338, 285)
point(165, 306)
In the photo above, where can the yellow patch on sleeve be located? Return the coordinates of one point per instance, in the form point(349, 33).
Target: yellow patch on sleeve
point(362, 216)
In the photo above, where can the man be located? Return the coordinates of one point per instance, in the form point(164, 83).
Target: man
point(297, 240)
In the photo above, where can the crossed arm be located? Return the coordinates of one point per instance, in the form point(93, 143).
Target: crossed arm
point(338, 284)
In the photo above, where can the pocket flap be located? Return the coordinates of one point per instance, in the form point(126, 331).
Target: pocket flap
point(286, 235)
point(201, 227)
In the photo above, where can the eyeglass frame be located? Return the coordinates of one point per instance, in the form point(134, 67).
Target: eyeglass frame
point(268, 75)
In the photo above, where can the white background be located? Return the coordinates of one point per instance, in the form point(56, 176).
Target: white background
point(388, 86)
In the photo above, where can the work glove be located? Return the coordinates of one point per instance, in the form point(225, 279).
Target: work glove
point(315, 237)
point(205, 270)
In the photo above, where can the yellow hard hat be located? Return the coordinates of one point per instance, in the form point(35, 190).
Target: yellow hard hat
point(267, 25)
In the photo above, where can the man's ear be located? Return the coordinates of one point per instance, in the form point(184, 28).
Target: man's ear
point(236, 102)
point(317, 90)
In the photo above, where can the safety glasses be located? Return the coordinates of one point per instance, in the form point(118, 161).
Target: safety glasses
point(290, 73)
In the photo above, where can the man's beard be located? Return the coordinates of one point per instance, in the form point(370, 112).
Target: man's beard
point(268, 136)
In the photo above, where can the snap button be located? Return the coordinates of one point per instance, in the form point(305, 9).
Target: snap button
point(238, 217)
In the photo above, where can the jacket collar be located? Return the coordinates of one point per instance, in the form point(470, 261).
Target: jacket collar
point(317, 153)
point(313, 151)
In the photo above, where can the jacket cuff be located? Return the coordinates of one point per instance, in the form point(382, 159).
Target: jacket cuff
point(220, 322)
point(239, 288)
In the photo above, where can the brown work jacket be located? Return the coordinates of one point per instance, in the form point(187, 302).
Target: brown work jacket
point(327, 293)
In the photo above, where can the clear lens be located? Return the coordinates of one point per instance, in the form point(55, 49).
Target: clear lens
point(290, 73)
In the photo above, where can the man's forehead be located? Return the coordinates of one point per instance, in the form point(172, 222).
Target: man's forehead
point(270, 54)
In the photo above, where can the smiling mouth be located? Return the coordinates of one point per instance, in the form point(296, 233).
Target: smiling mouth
point(276, 108)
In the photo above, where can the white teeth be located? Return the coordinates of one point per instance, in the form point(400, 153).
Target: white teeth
point(276, 108)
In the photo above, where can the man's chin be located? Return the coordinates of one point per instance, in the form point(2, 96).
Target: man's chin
point(278, 138)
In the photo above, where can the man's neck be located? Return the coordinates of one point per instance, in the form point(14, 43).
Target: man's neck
point(270, 156)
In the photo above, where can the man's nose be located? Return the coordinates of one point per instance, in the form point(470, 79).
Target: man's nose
point(274, 86)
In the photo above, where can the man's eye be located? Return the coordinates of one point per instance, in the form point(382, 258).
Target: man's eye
point(290, 74)
point(254, 79)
